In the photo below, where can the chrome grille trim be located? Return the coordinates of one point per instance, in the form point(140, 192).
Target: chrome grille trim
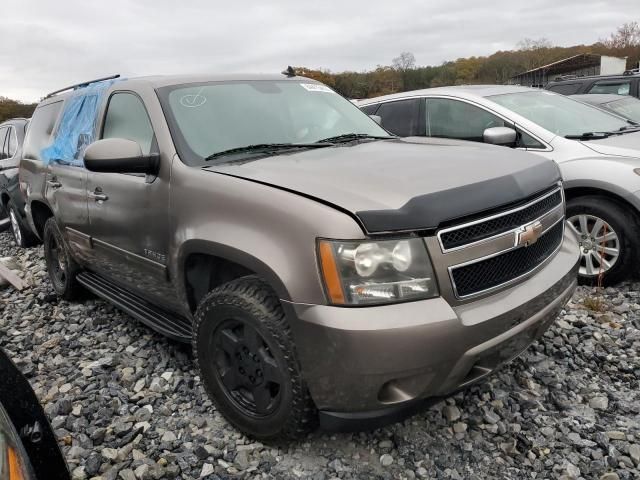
point(498, 215)
point(451, 268)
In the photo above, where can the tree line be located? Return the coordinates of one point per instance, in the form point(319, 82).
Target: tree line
point(498, 68)
point(13, 109)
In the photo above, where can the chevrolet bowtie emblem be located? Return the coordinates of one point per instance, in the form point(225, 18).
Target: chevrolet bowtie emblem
point(528, 234)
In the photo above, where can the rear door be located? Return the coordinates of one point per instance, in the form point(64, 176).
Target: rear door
point(128, 213)
point(60, 186)
point(403, 117)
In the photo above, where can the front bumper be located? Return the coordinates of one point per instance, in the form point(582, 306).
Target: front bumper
point(371, 364)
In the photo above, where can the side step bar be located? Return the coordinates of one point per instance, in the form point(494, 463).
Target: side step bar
point(167, 323)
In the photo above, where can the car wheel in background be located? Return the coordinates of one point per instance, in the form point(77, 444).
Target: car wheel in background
point(607, 235)
point(61, 267)
point(247, 361)
point(22, 234)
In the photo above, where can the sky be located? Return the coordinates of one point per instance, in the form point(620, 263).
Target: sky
point(48, 45)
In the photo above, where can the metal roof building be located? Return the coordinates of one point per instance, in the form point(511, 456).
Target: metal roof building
point(577, 65)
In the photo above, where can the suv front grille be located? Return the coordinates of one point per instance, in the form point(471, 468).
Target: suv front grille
point(457, 237)
point(505, 267)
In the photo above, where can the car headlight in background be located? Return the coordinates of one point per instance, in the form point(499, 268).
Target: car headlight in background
point(14, 463)
point(368, 272)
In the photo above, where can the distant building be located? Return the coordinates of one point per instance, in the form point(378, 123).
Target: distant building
point(578, 65)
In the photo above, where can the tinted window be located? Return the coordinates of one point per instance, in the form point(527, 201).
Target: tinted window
point(401, 117)
point(3, 143)
point(127, 118)
point(370, 109)
point(40, 129)
point(454, 119)
point(12, 142)
point(566, 88)
point(616, 88)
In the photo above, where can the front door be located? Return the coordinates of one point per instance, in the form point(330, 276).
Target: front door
point(128, 213)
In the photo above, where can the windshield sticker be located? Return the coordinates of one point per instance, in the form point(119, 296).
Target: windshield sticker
point(193, 101)
point(316, 87)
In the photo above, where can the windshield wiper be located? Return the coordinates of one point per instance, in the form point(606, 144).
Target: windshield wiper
point(350, 137)
point(266, 148)
point(590, 135)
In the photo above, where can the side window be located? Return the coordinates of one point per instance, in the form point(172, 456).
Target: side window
point(454, 119)
point(402, 117)
point(127, 118)
point(527, 141)
point(40, 129)
point(12, 142)
point(370, 109)
point(566, 88)
point(622, 87)
point(3, 143)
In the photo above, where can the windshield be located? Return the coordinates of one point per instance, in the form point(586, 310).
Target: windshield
point(210, 118)
point(559, 114)
point(627, 107)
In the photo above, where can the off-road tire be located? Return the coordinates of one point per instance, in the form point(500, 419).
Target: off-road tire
point(623, 222)
point(253, 301)
point(65, 286)
point(24, 237)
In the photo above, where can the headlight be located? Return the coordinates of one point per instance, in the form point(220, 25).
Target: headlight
point(14, 463)
point(375, 272)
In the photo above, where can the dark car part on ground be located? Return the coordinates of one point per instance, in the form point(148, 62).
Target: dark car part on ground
point(29, 432)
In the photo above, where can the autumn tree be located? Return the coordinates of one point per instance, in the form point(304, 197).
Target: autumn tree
point(405, 61)
point(628, 35)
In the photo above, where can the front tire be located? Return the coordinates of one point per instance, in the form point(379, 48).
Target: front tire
point(247, 360)
point(607, 233)
point(61, 267)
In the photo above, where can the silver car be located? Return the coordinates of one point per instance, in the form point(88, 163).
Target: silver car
point(598, 154)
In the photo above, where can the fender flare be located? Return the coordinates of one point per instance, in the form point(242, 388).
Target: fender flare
point(207, 247)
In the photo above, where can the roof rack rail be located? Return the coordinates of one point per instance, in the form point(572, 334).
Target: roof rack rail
point(81, 85)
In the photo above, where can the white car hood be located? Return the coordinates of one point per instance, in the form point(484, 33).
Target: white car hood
point(627, 145)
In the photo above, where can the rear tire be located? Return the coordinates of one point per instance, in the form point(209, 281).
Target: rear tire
point(600, 222)
point(247, 361)
point(22, 234)
point(61, 267)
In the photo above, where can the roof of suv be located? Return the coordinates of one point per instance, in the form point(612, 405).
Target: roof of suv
point(13, 121)
point(158, 81)
point(619, 76)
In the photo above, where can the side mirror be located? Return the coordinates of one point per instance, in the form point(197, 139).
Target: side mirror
point(118, 155)
point(376, 118)
point(504, 136)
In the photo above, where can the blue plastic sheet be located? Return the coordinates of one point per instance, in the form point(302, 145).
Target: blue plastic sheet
point(78, 125)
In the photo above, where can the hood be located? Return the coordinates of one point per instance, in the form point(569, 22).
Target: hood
point(400, 185)
point(627, 145)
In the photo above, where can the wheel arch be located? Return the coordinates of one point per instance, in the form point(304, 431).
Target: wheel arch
point(40, 213)
point(204, 265)
point(577, 190)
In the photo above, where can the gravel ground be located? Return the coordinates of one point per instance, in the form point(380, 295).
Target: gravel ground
point(127, 404)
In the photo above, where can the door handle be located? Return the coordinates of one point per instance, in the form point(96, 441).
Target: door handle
point(54, 184)
point(98, 196)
